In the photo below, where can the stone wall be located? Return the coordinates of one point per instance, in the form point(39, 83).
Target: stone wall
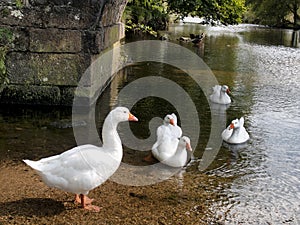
point(47, 45)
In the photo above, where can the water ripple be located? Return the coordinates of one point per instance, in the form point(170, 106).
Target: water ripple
point(268, 188)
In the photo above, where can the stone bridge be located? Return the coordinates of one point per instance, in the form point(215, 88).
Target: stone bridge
point(46, 45)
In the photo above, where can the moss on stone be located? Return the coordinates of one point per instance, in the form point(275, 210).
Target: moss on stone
point(31, 94)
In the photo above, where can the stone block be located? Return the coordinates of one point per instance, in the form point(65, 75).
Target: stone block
point(55, 40)
point(69, 18)
point(24, 17)
point(46, 69)
point(16, 38)
point(92, 42)
point(67, 95)
point(47, 16)
point(109, 16)
point(74, 3)
point(38, 2)
point(18, 68)
point(20, 40)
point(113, 34)
point(30, 94)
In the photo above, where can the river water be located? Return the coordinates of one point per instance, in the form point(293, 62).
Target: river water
point(262, 68)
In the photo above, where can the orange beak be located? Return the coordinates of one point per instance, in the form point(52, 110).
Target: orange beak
point(132, 117)
point(188, 147)
point(228, 91)
point(172, 121)
point(231, 126)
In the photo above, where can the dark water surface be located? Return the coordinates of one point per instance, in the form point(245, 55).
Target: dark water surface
point(262, 69)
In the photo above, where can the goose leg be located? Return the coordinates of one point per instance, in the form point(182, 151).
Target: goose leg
point(77, 199)
point(88, 206)
point(87, 200)
point(149, 158)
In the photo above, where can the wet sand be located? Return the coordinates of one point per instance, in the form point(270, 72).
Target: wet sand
point(25, 199)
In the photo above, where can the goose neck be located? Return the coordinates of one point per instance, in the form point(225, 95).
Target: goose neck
point(110, 136)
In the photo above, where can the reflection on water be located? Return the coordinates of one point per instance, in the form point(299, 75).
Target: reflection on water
point(261, 69)
point(34, 132)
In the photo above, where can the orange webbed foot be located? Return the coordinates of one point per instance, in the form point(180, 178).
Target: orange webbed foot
point(149, 158)
point(93, 208)
point(86, 204)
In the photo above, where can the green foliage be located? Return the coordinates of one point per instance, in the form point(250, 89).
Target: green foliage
point(19, 4)
point(224, 11)
point(6, 36)
point(139, 28)
point(145, 16)
point(2, 61)
point(275, 12)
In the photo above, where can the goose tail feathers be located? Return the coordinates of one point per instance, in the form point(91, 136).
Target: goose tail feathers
point(32, 164)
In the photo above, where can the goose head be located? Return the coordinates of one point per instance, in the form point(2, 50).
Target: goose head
point(121, 114)
point(225, 89)
point(169, 120)
point(185, 142)
point(237, 123)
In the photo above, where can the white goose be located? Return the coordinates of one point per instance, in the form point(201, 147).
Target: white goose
point(175, 129)
point(180, 158)
point(236, 133)
point(220, 94)
point(165, 140)
point(85, 167)
point(165, 146)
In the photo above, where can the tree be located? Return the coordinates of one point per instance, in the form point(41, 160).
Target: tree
point(294, 6)
point(276, 13)
point(224, 11)
point(145, 16)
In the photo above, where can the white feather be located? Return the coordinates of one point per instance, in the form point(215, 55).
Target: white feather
point(85, 167)
point(220, 95)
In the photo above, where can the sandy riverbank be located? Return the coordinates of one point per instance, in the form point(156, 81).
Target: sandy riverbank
point(24, 199)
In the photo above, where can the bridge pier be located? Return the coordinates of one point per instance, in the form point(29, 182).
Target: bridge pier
point(45, 46)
